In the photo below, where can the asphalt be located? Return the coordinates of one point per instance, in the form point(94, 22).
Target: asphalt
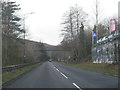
point(55, 75)
point(88, 79)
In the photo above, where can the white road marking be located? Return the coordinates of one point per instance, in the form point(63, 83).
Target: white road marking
point(77, 86)
point(67, 78)
point(57, 69)
point(64, 75)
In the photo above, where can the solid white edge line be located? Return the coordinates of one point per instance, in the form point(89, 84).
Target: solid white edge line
point(64, 75)
point(76, 86)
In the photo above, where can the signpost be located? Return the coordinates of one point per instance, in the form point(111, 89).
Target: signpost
point(94, 35)
point(0, 45)
point(112, 25)
point(119, 32)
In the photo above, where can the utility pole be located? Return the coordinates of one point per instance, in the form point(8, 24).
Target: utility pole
point(95, 35)
point(24, 38)
point(119, 16)
point(97, 19)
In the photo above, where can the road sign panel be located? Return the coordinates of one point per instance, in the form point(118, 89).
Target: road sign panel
point(112, 25)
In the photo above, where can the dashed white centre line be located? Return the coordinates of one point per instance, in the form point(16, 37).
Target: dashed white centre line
point(67, 78)
point(57, 69)
point(77, 86)
point(64, 75)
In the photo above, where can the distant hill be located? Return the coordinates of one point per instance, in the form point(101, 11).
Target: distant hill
point(32, 47)
point(50, 49)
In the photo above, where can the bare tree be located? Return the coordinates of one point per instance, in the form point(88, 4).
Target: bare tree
point(73, 35)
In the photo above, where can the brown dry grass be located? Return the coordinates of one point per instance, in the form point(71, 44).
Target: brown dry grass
point(110, 69)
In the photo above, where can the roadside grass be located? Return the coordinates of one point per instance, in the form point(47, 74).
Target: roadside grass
point(7, 76)
point(109, 69)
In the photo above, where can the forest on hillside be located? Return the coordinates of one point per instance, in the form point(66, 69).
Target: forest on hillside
point(15, 48)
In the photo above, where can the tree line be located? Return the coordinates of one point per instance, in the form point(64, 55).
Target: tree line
point(13, 43)
point(77, 35)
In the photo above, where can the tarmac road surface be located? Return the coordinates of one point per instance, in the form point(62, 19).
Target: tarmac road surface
point(55, 75)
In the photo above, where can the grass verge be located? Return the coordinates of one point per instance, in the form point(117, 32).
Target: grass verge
point(109, 69)
point(7, 76)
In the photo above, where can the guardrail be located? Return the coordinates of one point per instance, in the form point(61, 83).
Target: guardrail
point(14, 67)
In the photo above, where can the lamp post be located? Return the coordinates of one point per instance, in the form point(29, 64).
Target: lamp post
point(25, 32)
point(0, 44)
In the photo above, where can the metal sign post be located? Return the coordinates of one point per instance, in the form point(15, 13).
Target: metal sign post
point(0, 45)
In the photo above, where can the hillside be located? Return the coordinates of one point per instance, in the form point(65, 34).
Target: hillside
point(51, 49)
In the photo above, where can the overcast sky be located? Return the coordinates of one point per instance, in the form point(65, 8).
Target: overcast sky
point(44, 24)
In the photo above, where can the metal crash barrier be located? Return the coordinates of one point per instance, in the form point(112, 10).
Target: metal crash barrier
point(14, 67)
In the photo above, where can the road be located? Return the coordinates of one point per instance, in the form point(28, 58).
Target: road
point(55, 75)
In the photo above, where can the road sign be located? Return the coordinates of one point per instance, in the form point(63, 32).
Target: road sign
point(94, 35)
point(112, 25)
